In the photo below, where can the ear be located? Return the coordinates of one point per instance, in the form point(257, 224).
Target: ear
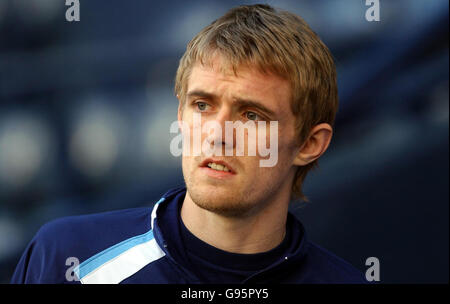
point(315, 145)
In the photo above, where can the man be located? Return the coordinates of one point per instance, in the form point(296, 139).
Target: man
point(231, 224)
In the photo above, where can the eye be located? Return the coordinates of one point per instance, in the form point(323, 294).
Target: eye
point(252, 115)
point(202, 106)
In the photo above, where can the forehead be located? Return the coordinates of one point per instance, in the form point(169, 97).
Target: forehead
point(246, 82)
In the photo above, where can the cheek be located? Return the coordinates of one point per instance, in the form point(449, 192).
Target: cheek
point(276, 144)
point(192, 135)
point(185, 162)
point(189, 166)
point(288, 142)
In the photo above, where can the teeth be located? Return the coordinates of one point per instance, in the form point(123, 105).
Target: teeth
point(218, 167)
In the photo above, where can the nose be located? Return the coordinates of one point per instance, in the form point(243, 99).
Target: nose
point(219, 137)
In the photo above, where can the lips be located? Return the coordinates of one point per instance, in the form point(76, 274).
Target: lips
point(207, 164)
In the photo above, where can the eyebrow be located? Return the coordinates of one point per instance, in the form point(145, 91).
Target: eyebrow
point(202, 94)
point(241, 102)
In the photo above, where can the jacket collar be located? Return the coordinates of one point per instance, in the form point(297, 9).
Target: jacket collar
point(296, 252)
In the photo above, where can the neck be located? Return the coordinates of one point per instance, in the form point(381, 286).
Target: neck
point(261, 231)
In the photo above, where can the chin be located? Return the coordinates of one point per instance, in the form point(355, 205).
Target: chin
point(220, 201)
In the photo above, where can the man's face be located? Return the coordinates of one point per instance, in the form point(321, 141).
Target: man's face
point(223, 96)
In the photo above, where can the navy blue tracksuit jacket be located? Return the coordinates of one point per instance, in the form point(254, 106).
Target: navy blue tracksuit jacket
point(151, 245)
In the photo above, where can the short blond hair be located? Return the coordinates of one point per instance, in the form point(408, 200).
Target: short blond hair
point(273, 41)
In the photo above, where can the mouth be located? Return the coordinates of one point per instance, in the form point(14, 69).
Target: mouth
point(217, 168)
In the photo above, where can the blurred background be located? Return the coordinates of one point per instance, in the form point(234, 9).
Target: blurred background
point(85, 110)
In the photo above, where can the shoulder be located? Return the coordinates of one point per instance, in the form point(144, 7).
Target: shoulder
point(119, 222)
point(326, 267)
point(86, 234)
point(318, 265)
point(48, 255)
